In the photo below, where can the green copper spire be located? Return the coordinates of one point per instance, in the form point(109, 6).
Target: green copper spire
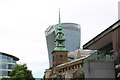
point(60, 39)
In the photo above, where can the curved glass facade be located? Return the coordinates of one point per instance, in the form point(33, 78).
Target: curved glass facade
point(7, 64)
point(72, 37)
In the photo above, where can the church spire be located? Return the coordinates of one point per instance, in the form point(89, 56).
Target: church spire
point(60, 39)
point(60, 52)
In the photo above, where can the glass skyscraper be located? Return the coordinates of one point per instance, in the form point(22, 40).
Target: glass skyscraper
point(72, 37)
point(7, 64)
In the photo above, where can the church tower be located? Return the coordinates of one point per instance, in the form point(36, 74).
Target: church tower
point(59, 53)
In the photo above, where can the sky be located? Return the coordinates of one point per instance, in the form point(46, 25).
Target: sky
point(23, 24)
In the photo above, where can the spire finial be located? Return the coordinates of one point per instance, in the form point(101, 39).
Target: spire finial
point(59, 19)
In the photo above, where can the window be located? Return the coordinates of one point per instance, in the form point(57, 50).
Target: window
point(0, 73)
point(53, 58)
point(0, 66)
point(72, 67)
point(4, 73)
point(0, 58)
point(63, 69)
point(76, 66)
point(69, 68)
point(61, 56)
point(10, 66)
point(4, 66)
point(66, 69)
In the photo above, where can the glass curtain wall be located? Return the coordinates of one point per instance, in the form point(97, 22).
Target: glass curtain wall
point(6, 65)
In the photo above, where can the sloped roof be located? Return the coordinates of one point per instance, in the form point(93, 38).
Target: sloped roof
point(103, 38)
point(79, 53)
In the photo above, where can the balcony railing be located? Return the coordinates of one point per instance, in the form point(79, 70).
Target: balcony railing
point(100, 55)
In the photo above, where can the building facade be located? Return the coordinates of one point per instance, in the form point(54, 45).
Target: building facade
point(7, 64)
point(107, 43)
point(68, 70)
point(72, 35)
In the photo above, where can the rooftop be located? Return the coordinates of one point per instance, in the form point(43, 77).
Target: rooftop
point(104, 37)
point(10, 56)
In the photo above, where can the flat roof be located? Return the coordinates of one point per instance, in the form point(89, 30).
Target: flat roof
point(10, 56)
point(104, 37)
point(52, 26)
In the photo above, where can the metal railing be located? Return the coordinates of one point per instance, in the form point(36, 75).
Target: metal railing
point(100, 55)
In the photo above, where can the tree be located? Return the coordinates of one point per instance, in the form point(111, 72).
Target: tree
point(21, 72)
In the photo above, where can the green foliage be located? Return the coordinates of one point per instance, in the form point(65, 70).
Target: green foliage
point(21, 72)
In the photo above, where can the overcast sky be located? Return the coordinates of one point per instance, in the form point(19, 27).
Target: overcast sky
point(23, 24)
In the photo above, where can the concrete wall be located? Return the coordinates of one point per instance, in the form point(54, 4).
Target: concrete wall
point(99, 69)
point(116, 41)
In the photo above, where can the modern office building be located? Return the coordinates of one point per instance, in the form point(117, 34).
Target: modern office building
point(7, 64)
point(72, 35)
